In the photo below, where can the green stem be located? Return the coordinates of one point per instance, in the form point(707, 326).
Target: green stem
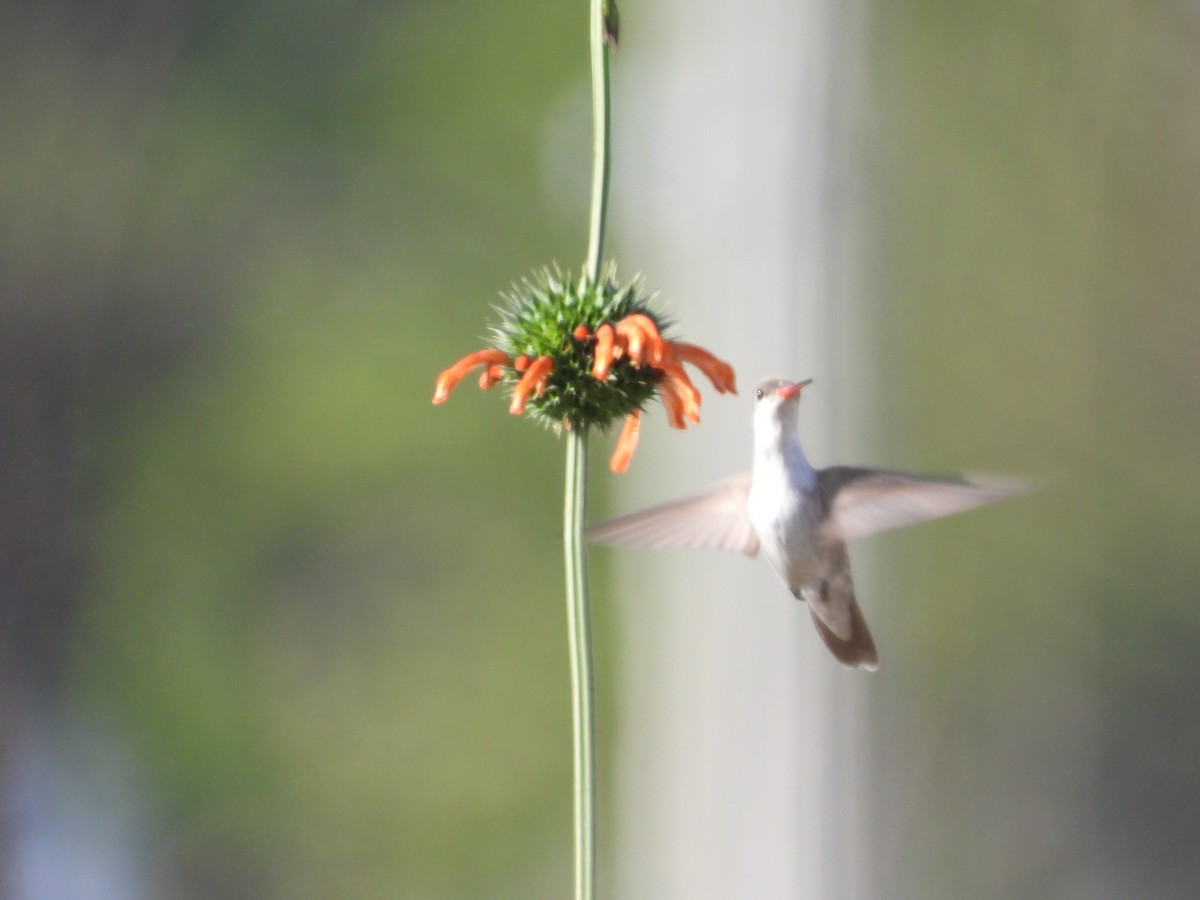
point(578, 616)
point(601, 142)
point(575, 507)
point(579, 628)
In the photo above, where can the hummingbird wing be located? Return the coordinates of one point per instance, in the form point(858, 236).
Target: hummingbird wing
point(714, 519)
point(862, 502)
point(836, 613)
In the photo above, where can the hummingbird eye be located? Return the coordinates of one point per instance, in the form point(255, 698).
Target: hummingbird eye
point(758, 394)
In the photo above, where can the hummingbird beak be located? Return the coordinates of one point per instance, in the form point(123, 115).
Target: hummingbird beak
point(787, 392)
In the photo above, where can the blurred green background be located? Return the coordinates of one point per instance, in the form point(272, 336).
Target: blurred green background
point(272, 626)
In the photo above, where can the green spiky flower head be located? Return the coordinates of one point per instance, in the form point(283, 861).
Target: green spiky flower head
point(582, 354)
point(550, 314)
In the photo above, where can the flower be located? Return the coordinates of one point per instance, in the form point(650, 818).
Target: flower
point(580, 354)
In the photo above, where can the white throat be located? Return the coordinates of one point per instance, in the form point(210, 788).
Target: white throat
point(777, 444)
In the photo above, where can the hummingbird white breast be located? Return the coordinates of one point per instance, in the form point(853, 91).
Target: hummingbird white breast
point(782, 510)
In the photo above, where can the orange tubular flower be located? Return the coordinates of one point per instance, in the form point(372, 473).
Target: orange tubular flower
point(634, 336)
point(718, 372)
point(673, 406)
point(678, 383)
point(627, 442)
point(450, 378)
point(533, 381)
point(490, 376)
point(583, 354)
point(645, 342)
point(604, 352)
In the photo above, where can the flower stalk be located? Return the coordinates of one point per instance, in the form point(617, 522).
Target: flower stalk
point(583, 707)
point(579, 629)
point(599, 32)
point(578, 355)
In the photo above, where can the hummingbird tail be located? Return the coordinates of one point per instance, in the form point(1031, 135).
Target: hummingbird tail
point(856, 651)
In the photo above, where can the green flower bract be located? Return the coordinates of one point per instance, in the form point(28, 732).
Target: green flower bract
point(540, 317)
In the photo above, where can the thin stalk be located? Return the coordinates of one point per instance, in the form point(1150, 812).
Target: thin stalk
point(601, 142)
point(579, 629)
point(575, 507)
point(578, 616)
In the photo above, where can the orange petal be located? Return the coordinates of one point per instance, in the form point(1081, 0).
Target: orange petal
point(627, 442)
point(534, 379)
point(677, 382)
point(604, 352)
point(657, 351)
point(656, 347)
point(662, 355)
point(640, 336)
point(490, 376)
point(450, 377)
point(720, 373)
point(521, 363)
point(581, 333)
point(644, 322)
point(672, 404)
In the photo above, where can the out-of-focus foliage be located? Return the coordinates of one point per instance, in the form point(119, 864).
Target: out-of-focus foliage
point(323, 617)
point(1039, 164)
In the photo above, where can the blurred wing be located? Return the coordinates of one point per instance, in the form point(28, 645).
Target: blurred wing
point(863, 502)
point(715, 519)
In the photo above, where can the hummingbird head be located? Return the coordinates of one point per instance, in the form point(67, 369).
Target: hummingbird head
point(774, 391)
point(776, 402)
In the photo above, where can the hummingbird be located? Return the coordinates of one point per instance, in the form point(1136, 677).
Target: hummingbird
point(800, 518)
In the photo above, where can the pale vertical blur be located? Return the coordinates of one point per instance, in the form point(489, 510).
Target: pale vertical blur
point(737, 763)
